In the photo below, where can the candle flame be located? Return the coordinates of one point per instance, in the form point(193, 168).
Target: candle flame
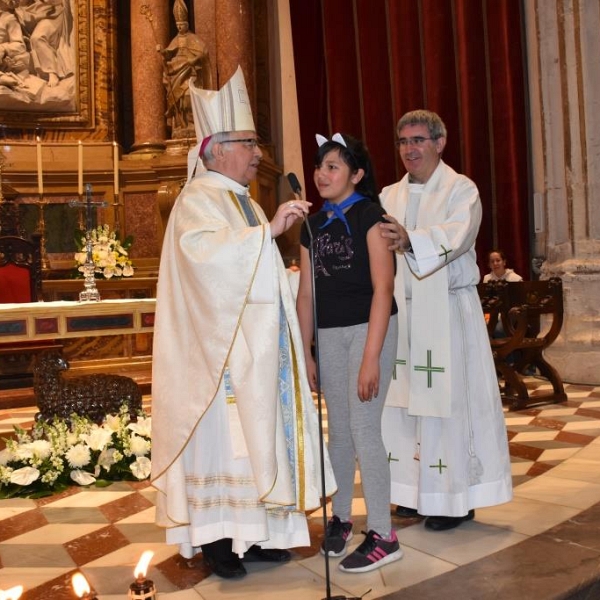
point(80, 585)
point(142, 566)
point(12, 594)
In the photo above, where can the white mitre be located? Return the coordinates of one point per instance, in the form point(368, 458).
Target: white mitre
point(227, 109)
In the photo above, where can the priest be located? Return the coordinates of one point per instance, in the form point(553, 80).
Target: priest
point(443, 422)
point(235, 440)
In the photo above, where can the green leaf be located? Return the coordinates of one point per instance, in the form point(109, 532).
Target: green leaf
point(102, 483)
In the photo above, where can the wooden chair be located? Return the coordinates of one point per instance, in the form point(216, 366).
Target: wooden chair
point(20, 281)
point(520, 308)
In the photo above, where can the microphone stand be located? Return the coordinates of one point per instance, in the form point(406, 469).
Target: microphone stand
point(319, 408)
point(311, 249)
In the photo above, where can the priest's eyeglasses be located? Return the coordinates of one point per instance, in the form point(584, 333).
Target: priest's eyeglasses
point(250, 143)
point(417, 141)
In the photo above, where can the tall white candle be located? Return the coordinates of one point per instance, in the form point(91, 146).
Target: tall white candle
point(40, 171)
point(116, 166)
point(80, 168)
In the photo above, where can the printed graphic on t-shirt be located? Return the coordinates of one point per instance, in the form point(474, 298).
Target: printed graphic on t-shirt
point(336, 253)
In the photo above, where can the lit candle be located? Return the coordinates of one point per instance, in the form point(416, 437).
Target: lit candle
point(13, 593)
point(80, 168)
point(142, 588)
point(116, 166)
point(82, 587)
point(40, 172)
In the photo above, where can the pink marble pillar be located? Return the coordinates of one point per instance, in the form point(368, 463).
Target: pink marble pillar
point(233, 20)
point(204, 28)
point(149, 101)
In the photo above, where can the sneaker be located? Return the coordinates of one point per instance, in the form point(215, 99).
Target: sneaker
point(337, 536)
point(373, 553)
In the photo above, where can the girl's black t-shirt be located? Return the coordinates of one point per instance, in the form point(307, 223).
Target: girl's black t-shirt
point(342, 274)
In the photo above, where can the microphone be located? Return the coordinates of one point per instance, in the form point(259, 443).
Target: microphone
point(294, 183)
point(297, 189)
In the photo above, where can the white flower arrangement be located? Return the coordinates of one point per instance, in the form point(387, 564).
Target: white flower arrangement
point(110, 255)
point(54, 455)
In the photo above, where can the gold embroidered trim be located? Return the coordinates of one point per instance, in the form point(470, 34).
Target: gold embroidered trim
point(233, 503)
point(275, 512)
point(230, 480)
point(300, 459)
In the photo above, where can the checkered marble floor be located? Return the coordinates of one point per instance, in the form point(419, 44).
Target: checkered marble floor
point(555, 452)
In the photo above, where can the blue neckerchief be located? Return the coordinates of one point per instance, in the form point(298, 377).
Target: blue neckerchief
point(338, 209)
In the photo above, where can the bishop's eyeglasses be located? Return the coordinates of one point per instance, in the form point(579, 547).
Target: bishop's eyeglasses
point(250, 143)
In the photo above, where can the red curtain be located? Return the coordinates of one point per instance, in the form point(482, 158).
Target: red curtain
point(361, 64)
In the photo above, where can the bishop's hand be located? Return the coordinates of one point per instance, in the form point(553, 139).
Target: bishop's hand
point(287, 214)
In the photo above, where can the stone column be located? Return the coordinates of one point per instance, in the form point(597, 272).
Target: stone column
point(204, 28)
point(233, 20)
point(285, 102)
point(563, 47)
point(149, 101)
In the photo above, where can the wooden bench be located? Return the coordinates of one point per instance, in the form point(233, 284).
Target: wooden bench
point(519, 308)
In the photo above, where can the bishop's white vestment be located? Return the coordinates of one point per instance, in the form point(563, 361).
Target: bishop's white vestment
point(235, 441)
point(443, 422)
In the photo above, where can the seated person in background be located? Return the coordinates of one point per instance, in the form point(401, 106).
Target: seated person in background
point(499, 272)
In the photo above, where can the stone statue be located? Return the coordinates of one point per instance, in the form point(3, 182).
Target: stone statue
point(185, 57)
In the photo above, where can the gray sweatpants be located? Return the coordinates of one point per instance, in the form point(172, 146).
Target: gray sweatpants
point(355, 426)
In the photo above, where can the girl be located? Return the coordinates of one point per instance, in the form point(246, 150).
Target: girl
point(498, 270)
point(357, 329)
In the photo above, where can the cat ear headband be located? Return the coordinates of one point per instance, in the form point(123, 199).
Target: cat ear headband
point(337, 137)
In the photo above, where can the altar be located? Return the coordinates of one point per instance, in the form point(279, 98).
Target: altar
point(37, 321)
point(113, 335)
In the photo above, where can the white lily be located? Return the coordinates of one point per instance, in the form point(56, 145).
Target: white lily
point(82, 477)
point(24, 475)
point(141, 467)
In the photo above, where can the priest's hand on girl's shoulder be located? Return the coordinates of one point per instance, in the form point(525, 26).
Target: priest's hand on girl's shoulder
point(399, 240)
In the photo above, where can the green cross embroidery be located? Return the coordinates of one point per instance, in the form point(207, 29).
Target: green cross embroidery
point(429, 369)
point(445, 252)
point(439, 466)
point(390, 459)
point(397, 362)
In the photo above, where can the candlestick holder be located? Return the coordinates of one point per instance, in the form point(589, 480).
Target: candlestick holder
point(80, 213)
point(9, 211)
point(90, 292)
point(2, 165)
point(142, 589)
point(42, 231)
point(117, 212)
